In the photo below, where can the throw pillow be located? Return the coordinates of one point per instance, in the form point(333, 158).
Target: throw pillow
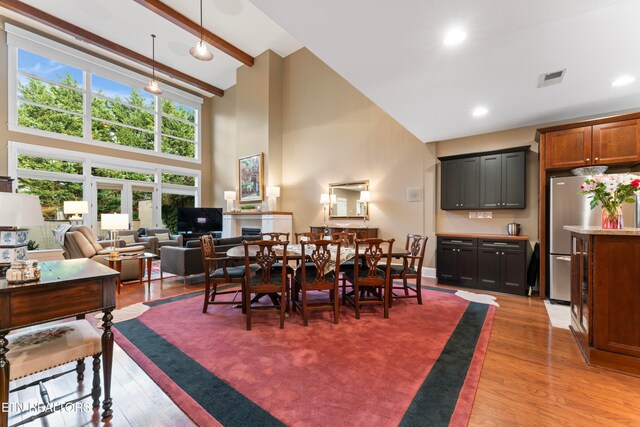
point(128, 239)
point(163, 236)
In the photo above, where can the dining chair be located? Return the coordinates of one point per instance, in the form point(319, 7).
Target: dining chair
point(267, 279)
point(280, 237)
point(371, 272)
point(411, 268)
point(313, 276)
point(307, 236)
point(218, 275)
point(347, 239)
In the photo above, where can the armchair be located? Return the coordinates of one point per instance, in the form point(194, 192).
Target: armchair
point(150, 243)
point(173, 240)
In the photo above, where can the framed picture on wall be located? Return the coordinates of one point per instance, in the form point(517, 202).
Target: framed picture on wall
point(250, 173)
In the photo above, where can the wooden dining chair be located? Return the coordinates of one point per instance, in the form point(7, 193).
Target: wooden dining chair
point(307, 236)
point(279, 237)
point(311, 276)
point(218, 275)
point(267, 279)
point(411, 268)
point(372, 272)
point(347, 239)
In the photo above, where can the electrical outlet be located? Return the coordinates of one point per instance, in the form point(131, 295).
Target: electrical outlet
point(480, 214)
point(472, 215)
point(488, 214)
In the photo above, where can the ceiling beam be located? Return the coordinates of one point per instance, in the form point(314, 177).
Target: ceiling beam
point(38, 15)
point(186, 24)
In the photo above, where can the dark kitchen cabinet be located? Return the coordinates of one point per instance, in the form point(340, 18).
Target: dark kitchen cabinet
point(495, 180)
point(460, 186)
point(487, 264)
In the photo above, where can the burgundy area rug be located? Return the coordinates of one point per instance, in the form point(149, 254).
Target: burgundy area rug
point(419, 367)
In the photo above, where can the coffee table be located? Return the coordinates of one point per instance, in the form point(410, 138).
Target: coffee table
point(116, 264)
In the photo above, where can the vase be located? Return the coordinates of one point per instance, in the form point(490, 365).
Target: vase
point(612, 218)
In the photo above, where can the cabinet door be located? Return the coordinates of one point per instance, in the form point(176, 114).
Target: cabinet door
point(469, 170)
point(617, 142)
point(489, 269)
point(447, 262)
point(450, 185)
point(513, 274)
point(513, 180)
point(568, 148)
point(467, 264)
point(491, 181)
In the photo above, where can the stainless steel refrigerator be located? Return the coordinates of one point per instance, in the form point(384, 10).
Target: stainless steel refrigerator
point(568, 207)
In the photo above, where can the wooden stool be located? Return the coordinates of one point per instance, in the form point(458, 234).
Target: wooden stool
point(53, 345)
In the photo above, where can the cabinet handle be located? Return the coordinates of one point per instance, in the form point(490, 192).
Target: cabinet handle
point(588, 159)
point(461, 204)
point(497, 253)
point(502, 253)
point(597, 159)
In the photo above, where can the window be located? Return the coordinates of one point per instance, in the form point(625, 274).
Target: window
point(50, 96)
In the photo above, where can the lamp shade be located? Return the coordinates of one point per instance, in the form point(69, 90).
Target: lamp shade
point(20, 210)
point(324, 198)
point(229, 195)
point(365, 196)
point(114, 221)
point(76, 207)
point(273, 191)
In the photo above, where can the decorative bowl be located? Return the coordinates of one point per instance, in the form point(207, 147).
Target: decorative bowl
point(589, 170)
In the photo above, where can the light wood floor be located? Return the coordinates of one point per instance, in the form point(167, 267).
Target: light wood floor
point(533, 375)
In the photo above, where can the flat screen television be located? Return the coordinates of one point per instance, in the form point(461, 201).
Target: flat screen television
point(199, 220)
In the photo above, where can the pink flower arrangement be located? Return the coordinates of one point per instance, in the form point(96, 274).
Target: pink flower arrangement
point(611, 191)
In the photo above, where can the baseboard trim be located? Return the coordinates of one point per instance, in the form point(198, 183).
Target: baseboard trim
point(429, 272)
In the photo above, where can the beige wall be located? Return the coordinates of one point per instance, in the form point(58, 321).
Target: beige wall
point(333, 133)
point(458, 221)
point(224, 171)
point(6, 136)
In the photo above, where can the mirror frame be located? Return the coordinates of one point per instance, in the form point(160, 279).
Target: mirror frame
point(342, 184)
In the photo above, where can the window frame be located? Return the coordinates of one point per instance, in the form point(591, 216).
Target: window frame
point(19, 38)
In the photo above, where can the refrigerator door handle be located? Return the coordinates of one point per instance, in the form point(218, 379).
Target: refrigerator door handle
point(564, 258)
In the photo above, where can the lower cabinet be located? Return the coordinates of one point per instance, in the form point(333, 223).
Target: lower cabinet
point(487, 264)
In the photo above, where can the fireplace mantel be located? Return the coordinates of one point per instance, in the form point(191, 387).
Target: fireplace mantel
point(267, 222)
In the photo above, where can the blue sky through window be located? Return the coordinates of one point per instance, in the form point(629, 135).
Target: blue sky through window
point(53, 70)
point(117, 90)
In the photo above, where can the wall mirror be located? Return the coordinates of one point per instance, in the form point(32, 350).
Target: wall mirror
point(347, 204)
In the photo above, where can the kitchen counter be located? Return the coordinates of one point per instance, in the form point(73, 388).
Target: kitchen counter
point(592, 229)
point(483, 236)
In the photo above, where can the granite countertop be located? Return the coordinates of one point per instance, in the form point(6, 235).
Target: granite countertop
point(592, 229)
point(483, 236)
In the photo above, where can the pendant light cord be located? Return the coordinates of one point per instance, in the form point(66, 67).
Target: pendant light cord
point(153, 56)
point(201, 30)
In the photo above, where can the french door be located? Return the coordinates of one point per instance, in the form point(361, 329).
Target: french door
point(139, 200)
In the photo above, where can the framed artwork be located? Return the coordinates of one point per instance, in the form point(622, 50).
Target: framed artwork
point(250, 173)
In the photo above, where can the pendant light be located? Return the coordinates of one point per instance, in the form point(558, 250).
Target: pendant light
point(200, 50)
point(153, 86)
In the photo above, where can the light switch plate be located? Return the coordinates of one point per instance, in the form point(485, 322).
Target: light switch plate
point(472, 215)
point(488, 214)
point(480, 214)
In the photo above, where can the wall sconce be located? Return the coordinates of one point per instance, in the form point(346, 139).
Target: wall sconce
point(75, 208)
point(365, 198)
point(230, 197)
point(272, 193)
point(326, 200)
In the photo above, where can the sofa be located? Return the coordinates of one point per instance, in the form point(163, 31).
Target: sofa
point(128, 238)
point(79, 242)
point(173, 240)
point(187, 261)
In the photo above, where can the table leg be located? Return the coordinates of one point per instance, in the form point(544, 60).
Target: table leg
point(107, 361)
point(140, 269)
point(4, 380)
point(149, 263)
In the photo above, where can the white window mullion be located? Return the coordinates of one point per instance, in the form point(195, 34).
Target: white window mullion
point(88, 114)
point(158, 126)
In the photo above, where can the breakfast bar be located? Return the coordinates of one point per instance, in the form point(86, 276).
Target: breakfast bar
point(605, 296)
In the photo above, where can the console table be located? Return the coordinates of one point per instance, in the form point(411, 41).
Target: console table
point(361, 233)
point(267, 222)
point(66, 289)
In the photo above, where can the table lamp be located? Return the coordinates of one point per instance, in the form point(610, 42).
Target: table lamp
point(326, 200)
point(230, 197)
point(75, 208)
point(113, 223)
point(365, 198)
point(18, 212)
point(272, 194)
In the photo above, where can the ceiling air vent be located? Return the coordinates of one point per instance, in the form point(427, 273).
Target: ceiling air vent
point(552, 78)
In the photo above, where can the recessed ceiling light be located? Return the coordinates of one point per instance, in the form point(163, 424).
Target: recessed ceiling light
point(454, 37)
point(480, 111)
point(622, 80)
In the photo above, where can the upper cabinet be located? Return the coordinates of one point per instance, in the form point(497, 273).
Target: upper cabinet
point(495, 180)
point(601, 144)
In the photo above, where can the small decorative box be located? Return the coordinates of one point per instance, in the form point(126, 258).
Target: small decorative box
point(23, 271)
